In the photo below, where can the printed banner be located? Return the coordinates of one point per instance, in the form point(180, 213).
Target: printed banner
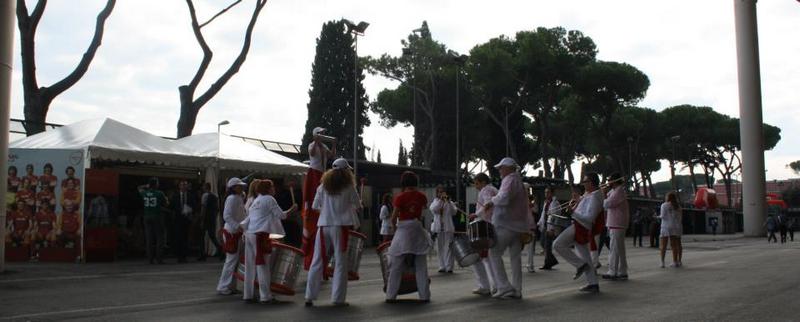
point(44, 216)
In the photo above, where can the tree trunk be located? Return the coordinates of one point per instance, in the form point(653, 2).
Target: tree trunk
point(728, 191)
point(672, 175)
point(652, 188)
point(570, 175)
point(691, 176)
point(188, 115)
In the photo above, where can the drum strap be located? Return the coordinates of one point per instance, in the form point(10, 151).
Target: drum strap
point(263, 247)
point(231, 245)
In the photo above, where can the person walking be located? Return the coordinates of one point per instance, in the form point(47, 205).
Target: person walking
point(671, 229)
point(547, 231)
point(209, 209)
point(616, 206)
point(154, 200)
point(574, 242)
point(233, 213)
point(771, 225)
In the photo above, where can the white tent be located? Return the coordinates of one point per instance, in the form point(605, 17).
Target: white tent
point(236, 154)
point(108, 139)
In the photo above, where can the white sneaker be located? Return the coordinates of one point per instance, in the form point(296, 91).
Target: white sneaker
point(481, 291)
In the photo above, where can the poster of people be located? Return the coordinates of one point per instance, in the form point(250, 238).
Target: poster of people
point(44, 216)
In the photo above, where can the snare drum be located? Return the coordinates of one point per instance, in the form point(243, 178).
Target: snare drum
point(356, 242)
point(559, 221)
point(286, 263)
point(481, 234)
point(463, 252)
point(408, 280)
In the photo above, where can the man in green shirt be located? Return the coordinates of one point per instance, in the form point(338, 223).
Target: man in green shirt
point(154, 200)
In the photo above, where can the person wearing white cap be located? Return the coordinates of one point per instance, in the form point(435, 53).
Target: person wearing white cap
point(233, 213)
point(443, 210)
point(318, 153)
point(511, 218)
point(337, 201)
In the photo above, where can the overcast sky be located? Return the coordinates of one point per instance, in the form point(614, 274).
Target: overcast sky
point(687, 48)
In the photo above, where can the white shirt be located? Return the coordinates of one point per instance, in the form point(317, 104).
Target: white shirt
point(264, 216)
point(233, 212)
point(442, 216)
point(589, 207)
point(248, 203)
point(386, 225)
point(511, 209)
point(670, 217)
point(484, 196)
point(547, 211)
point(317, 161)
point(339, 209)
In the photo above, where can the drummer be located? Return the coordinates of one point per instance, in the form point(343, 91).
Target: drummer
point(337, 200)
point(411, 242)
point(263, 219)
point(485, 193)
point(511, 219)
point(550, 206)
point(233, 213)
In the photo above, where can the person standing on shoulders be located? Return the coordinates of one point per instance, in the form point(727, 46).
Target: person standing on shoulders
point(579, 234)
point(233, 213)
point(443, 211)
point(511, 218)
point(616, 206)
point(154, 200)
point(318, 153)
point(337, 201)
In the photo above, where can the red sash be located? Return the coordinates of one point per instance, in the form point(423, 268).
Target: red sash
point(231, 245)
point(345, 238)
point(310, 216)
point(263, 247)
point(582, 234)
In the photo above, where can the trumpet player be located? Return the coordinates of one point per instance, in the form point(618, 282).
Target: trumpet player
point(580, 233)
point(318, 153)
point(443, 211)
point(616, 206)
point(547, 231)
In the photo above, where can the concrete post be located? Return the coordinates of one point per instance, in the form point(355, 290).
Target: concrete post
point(750, 125)
point(7, 19)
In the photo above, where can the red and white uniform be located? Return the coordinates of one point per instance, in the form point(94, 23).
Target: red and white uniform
point(30, 182)
point(48, 181)
point(510, 218)
point(316, 154)
point(76, 183)
point(410, 238)
point(482, 268)
point(263, 218)
point(45, 223)
point(579, 234)
point(233, 213)
point(14, 183)
point(617, 218)
point(28, 198)
point(21, 222)
point(70, 224)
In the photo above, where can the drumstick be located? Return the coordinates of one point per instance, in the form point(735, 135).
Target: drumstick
point(291, 191)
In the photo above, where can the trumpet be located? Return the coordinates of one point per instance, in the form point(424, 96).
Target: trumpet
point(562, 207)
point(608, 184)
point(326, 138)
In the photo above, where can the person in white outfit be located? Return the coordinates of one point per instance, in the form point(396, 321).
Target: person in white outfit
point(485, 193)
point(263, 221)
point(532, 224)
point(547, 232)
point(337, 200)
point(386, 213)
point(671, 229)
point(411, 242)
point(617, 219)
point(233, 213)
point(510, 218)
point(579, 234)
point(443, 211)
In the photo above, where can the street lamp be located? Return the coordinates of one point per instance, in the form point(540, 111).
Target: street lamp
point(630, 161)
point(460, 60)
point(356, 30)
point(219, 147)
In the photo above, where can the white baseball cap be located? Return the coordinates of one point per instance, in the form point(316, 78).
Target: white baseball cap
point(318, 130)
point(341, 163)
point(506, 162)
point(235, 182)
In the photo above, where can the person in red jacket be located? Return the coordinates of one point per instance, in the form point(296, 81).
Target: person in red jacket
point(44, 226)
point(30, 180)
point(69, 226)
point(18, 224)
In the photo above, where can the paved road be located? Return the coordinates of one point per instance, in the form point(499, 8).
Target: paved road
point(739, 279)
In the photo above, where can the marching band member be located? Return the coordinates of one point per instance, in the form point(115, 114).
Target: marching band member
point(580, 233)
point(233, 213)
point(338, 201)
point(532, 226)
point(263, 219)
point(443, 211)
point(411, 242)
point(616, 206)
point(547, 231)
point(485, 193)
point(510, 218)
point(318, 152)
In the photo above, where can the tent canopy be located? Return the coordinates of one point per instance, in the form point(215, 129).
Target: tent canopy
point(236, 154)
point(108, 139)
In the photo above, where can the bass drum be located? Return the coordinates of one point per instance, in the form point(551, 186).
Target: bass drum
point(481, 234)
point(285, 266)
point(356, 242)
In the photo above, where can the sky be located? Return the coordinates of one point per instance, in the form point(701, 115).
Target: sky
point(687, 48)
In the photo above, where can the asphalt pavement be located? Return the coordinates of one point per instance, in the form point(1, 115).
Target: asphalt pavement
point(729, 278)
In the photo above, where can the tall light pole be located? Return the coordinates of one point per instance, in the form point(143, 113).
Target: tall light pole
point(7, 20)
point(219, 148)
point(356, 30)
point(630, 161)
point(460, 60)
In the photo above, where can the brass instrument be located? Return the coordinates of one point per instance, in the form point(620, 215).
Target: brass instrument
point(561, 208)
point(608, 184)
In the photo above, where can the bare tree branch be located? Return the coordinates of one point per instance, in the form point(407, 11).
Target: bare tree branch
point(83, 65)
point(207, 54)
point(219, 13)
point(36, 15)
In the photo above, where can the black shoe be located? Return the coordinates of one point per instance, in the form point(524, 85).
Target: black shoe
point(450, 272)
point(608, 277)
point(546, 268)
point(622, 277)
point(391, 301)
point(442, 271)
point(591, 288)
point(309, 303)
point(580, 271)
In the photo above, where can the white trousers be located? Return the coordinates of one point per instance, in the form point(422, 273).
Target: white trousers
point(446, 259)
point(396, 268)
point(617, 261)
point(531, 252)
point(506, 239)
point(596, 253)
point(226, 280)
point(480, 270)
point(579, 256)
point(332, 236)
point(251, 271)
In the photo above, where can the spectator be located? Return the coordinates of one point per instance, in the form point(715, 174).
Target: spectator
point(154, 200)
point(386, 212)
point(671, 229)
point(638, 226)
point(782, 226)
point(209, 210)
point(184, 205)
point(771, 225)
point(655, 228)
